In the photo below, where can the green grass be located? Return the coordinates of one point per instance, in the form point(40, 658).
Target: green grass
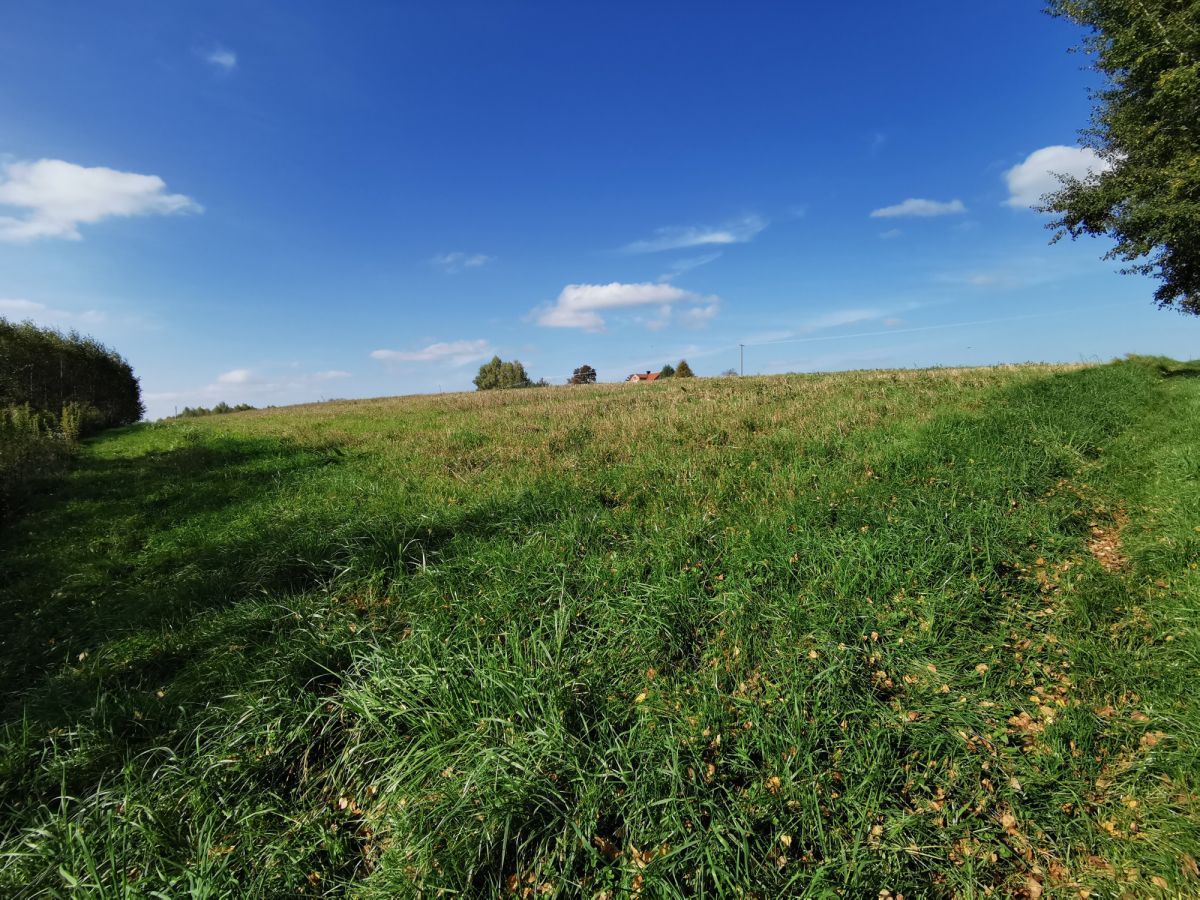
point(763, 637)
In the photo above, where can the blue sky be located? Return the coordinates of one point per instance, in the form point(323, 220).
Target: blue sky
point(286, 201)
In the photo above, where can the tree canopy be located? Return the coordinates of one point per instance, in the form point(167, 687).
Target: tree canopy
point(583, 375)
point(50, 370)
point(1146, 128)
point(496, 374)
point(667, 371)
point(683, 370)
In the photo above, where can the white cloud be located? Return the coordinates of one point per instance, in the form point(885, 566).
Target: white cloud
point(1032, 179)
point(686, 265)
point(676, 238)
point(330, 375)
point(891, 234)
point(457, 353)
point(920, 208)
point(580, 305)
point(59, 196)
point(222, 59)
point(457, 261)
point(21, 309)
point(235, 376)
point(698, 316)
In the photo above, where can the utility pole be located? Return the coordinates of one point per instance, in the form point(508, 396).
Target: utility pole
point(742, 358)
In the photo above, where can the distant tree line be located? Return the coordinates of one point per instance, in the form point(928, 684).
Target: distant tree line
point(497, 374)
point(190, 412)
point(50, 371)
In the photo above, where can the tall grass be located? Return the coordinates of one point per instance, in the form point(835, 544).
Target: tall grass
point(928, 633)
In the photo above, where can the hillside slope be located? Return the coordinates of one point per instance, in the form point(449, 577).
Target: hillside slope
point(916, 632)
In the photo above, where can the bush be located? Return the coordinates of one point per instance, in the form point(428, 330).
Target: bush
point(49, 370)
point(31, 447)
point(55, 389)
point(497, 374)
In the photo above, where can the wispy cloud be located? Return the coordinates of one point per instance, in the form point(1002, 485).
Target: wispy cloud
point(581, 305)
point(331, 375)
point(1017, 272)
point(1031, 180)
point(680, 266)
point(455, 262)
point(456, 353)
point(56, 197)
point(20, 309)
point(221, 58)
point(825, 321)
point(891, 234)
point(919, 208)
point(738, 231)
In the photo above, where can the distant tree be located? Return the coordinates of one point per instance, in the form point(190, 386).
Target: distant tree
point(583, 375)
point(1145, 128)
point(683, 370)
point(497, 374)
point(541, 382)
point(189, 412)
point(730, 373)
point(667, 371)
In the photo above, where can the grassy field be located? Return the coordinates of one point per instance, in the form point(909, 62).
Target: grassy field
point(924, 633)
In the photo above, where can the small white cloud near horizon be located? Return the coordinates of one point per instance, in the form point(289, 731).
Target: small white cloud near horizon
point(235, 376)
point(330, 375)
point(1029, 181)
point(57, 197)
point(580, 305)
point(453, 263)
point(918, 208)
point(221, 58)
point(739, 231)
point(456, 353)
point(19, 309)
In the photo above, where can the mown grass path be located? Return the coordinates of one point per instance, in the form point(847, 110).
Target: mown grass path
point(924, 633)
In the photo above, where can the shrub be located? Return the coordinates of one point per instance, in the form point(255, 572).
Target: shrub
point(497, 374)
point(48, 370)
point(30, 447)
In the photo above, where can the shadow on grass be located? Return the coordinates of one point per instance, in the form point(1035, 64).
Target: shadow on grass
point(1184, 370)
point(172, 560)
point(120, 543)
